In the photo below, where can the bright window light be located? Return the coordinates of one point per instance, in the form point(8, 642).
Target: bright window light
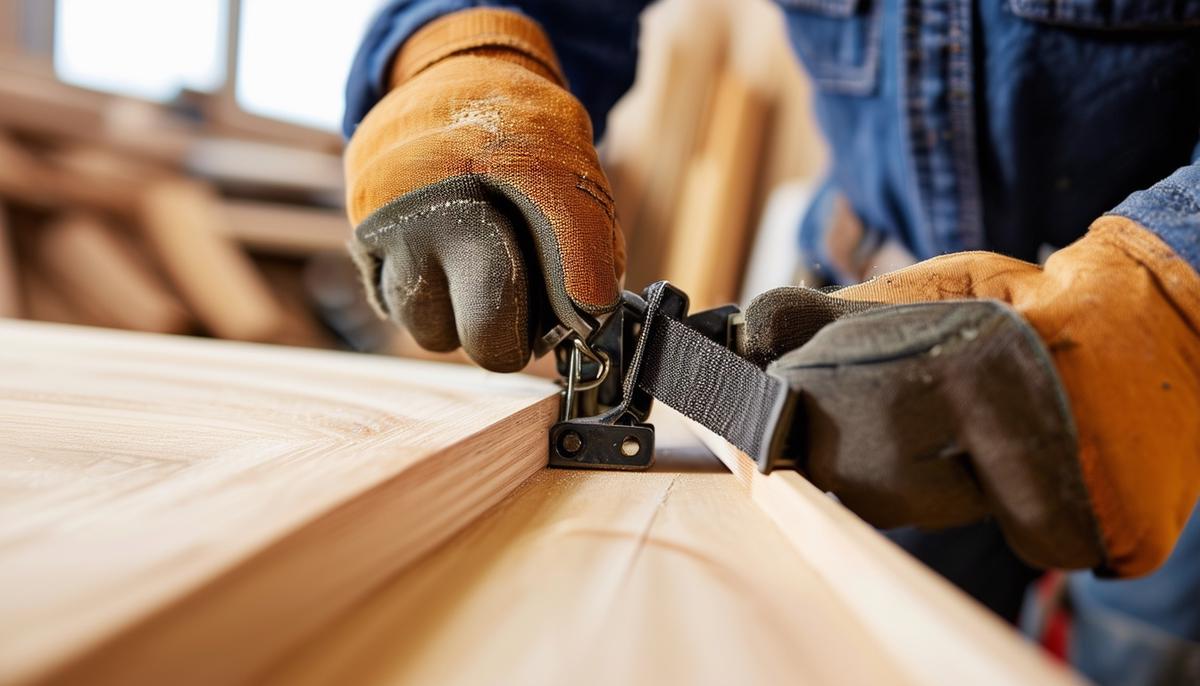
point(145, 48)
point(293, 57)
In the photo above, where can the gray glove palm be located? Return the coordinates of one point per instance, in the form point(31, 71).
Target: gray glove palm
point(933, 415)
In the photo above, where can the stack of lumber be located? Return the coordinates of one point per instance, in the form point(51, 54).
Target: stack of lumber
point(719, 116)
point(129, 214)
point(180, 511)
point(193, 217)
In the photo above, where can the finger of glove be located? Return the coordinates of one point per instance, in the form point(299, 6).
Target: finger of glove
point(954, 276)
point(415, 295)
point(523, 136)
point(455, 276)
point(489, 293)
point(783, 319)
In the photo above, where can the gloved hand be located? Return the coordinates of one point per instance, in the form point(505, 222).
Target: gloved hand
point(1079, 432)
point(482, 214)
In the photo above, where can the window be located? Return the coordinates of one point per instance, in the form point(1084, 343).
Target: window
point(293, 57)
point(145, 48)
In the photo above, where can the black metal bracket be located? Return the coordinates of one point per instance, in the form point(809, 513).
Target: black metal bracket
point(604, 409)
point(602, 423)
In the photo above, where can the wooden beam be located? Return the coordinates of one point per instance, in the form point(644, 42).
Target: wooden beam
point(286, 229)
point(32, 100)
point(713, 227)
point(10, 290)
point(183, 224)
point(667, 577)
point(178, 510)
point(658, 131)
point(52, 183)
point(99, 272)
point(932, 632)
point(269, 167)
point(11, 19)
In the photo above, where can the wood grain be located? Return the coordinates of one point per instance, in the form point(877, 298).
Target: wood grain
point(183, 511)
point(931, 631)
point(670, 577)
point(605, 578)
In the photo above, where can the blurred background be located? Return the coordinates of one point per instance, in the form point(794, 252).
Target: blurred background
point(175, 166)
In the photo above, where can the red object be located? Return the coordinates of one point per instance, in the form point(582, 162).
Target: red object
point(1056, 627)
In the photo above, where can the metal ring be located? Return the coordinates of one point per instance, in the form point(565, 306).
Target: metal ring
point(598, 356)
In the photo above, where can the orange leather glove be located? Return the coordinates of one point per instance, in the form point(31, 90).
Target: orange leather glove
point(1120, 314)
point(483, 217)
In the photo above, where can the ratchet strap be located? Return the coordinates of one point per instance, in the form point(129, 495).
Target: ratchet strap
point(660, 353)
point(711, 384)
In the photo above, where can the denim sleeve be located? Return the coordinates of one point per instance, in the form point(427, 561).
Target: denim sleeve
point(595, 41)
point(1171, 209)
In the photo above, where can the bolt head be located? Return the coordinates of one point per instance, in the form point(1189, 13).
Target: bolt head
point(570, 443)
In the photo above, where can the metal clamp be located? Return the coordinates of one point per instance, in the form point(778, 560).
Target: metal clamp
point(602, 421)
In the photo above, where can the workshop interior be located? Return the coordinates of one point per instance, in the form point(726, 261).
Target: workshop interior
point(552, 341)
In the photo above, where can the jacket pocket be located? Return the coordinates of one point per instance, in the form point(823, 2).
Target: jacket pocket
point(838, 41)
point(1111, 14)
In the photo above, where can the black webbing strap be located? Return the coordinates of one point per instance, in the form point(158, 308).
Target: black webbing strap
point(714, 386)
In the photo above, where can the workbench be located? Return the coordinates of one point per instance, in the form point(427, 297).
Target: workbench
point(192, 511)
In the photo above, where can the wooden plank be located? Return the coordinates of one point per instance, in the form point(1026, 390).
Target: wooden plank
point(617, 578)
point(10, 289)
point(98, 271)
point(932, 632)
point(657, 132)
point(24, 178)
point(35, 180)
point(713, 227)
point(183, 223)
point(602, 578)
point(267, 167)
point(179, 510)
point(11, 19)
point(286, 229)
point(40, 300)
point(33, 100)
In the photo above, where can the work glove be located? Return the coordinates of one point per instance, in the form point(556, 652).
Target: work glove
point(1064, 401)
point(483, 218)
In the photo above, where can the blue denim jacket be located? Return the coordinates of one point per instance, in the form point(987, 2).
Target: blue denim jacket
point(1002, 124)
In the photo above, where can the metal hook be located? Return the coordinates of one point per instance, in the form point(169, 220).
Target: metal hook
point(575, 383)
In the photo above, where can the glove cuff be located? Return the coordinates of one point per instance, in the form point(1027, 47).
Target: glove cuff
point(491, 32)
point(1178, 280)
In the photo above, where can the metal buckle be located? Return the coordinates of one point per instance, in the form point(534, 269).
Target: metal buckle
point(602, 421)
point(574, 376)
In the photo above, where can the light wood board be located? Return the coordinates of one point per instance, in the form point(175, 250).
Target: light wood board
point(671, 577)
point(931, 632)
point(182, 511)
